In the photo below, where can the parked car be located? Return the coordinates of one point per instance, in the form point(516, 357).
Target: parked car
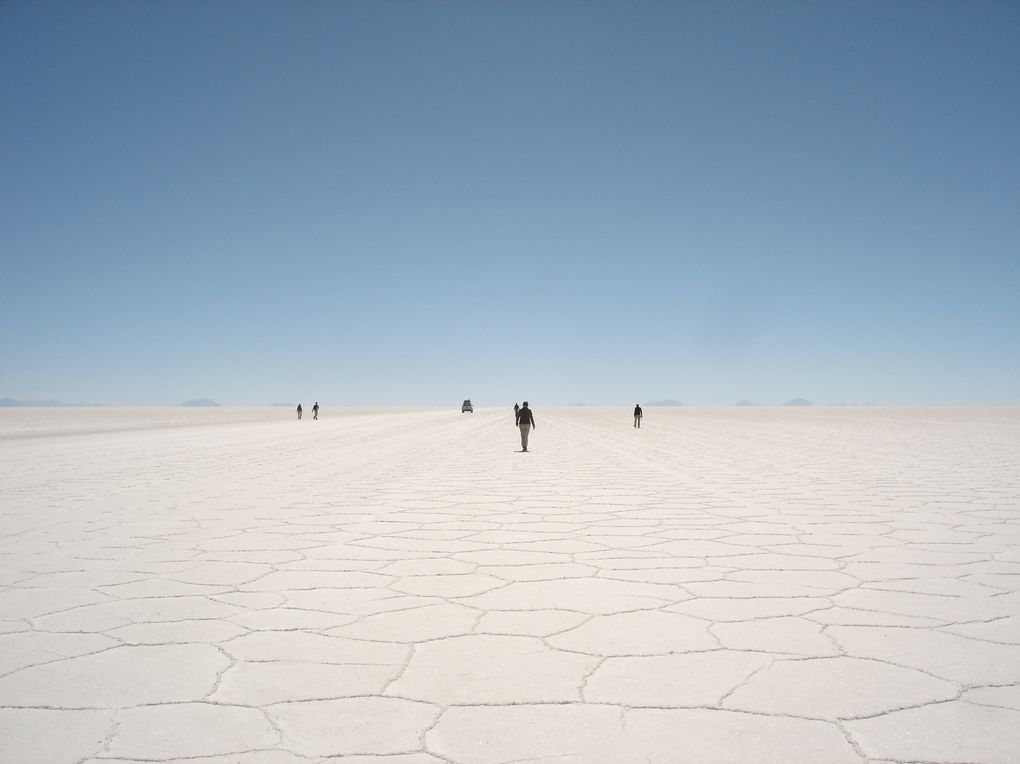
point(466, 406)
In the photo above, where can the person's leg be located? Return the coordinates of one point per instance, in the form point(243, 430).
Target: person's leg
point(525, 429)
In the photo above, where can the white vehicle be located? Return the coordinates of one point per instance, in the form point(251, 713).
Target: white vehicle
point(466, 406)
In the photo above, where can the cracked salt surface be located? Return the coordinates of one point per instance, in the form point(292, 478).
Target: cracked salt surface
point(403, 587)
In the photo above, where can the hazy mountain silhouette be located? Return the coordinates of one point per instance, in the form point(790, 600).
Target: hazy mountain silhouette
point(798, 402)
point(745, 403)
point(200, 402)
point(666, 402)
point(12, 403)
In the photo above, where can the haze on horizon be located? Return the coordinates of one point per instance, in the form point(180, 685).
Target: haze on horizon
point(602, 203)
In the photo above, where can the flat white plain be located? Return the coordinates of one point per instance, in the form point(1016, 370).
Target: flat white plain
point(403, 585)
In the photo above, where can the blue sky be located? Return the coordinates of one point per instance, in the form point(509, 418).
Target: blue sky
point(397, 202)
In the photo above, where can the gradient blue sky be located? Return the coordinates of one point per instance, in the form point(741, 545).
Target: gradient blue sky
point(417, 202)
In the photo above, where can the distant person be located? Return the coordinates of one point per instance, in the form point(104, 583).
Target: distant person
point(638, 413)
point(315, 410)
point(299, 411)
point(525, 421)
point(517, 411)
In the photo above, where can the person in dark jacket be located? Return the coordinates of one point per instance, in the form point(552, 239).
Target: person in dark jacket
point(315, 410)
point(525, 421)
point(299, 411)
point(638, 413)
point(517, 411)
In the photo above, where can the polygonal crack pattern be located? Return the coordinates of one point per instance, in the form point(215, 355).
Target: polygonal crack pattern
point(406, 587)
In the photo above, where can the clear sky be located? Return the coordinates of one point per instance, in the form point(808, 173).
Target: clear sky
point(418, 202)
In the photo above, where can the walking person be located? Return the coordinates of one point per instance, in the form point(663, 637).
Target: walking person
point(517, 411)
point(638, 413)
point(299, 411)
point(315, 410)
point(525, 421)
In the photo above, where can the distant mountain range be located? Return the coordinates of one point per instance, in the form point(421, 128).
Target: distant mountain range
point(12, 403)
point(745, 403)
point(798, 402)
point(666, 402)
point(200, 403)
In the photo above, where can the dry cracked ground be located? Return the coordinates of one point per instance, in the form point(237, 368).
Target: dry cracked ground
point(759, 585)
